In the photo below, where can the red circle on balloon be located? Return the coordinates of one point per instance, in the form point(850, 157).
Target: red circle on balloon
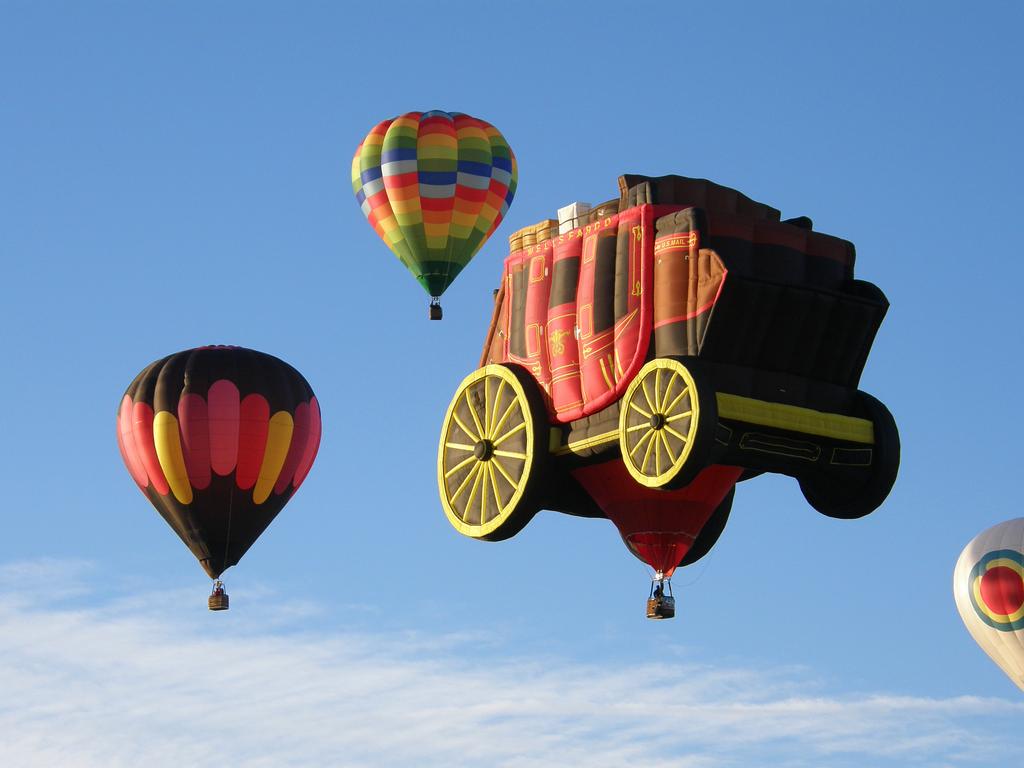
point(1002, 590)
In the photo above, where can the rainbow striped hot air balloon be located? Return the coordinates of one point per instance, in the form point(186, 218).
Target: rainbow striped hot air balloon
point(434, 186)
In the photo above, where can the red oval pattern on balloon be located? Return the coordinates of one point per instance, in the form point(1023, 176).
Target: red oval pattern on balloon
point(142, 432)
point(223, 410)
point(253, 425)
point(126, 442)
point(1002, 589)
point(300, 436)
point(194, 425)
point(312, 444)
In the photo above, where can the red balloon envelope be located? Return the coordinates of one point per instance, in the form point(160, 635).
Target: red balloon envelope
point(658, 526)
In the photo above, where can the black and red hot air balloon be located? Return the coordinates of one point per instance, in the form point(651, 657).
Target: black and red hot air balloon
point(219, 438)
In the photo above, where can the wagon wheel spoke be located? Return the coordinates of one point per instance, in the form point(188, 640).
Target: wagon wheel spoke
point(494, 487)
point(465, 483)
point(478, 472)
point(484, 476)
point(511, 455)
point(639, 410)
point(647, 453)
point(460, 465)
point(504, 417)
point(668, 448)
point(657, 453)
point(504, 473)
point(485, 428)
point(509, 434)
point(464, 428)
point(678, 397)
point(647, 396)
point(677, 435)
point(668, 393)
point(493, 424)
point(640, 442)
point(476, 419)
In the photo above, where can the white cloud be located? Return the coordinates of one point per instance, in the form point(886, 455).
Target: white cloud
point(123, 683)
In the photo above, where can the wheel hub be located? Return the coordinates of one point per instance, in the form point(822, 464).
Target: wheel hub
point(483, 450)
point(657, 421)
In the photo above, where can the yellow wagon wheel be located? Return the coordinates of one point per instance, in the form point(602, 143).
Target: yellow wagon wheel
point(667, 420)
point(492, 449)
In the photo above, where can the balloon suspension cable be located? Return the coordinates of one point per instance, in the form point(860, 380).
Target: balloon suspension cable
point(227, 535)
point(218, 600)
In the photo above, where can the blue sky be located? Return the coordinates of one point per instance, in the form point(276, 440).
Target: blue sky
point(176, 175)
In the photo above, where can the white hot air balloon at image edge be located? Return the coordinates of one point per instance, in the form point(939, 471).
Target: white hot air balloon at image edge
point(988, 585)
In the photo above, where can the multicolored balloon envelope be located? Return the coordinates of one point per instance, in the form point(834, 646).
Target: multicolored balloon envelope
point(218, 439)
point(434, 186)
point(988, 585)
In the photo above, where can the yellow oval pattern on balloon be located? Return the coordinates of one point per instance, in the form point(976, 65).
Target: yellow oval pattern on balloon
point(279, 438)
point(167, 442)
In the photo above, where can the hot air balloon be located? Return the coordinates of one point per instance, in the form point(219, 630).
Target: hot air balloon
point(218, 439)
point(643, 360)
point(988, 586)
point(434, 186)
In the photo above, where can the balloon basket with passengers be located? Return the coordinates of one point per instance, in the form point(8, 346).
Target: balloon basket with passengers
point(647, 354)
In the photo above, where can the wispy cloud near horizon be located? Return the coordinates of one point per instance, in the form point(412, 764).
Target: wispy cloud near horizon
point(110, 682)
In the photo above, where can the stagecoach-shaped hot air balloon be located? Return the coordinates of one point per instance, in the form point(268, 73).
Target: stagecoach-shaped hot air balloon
point(647, 354)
